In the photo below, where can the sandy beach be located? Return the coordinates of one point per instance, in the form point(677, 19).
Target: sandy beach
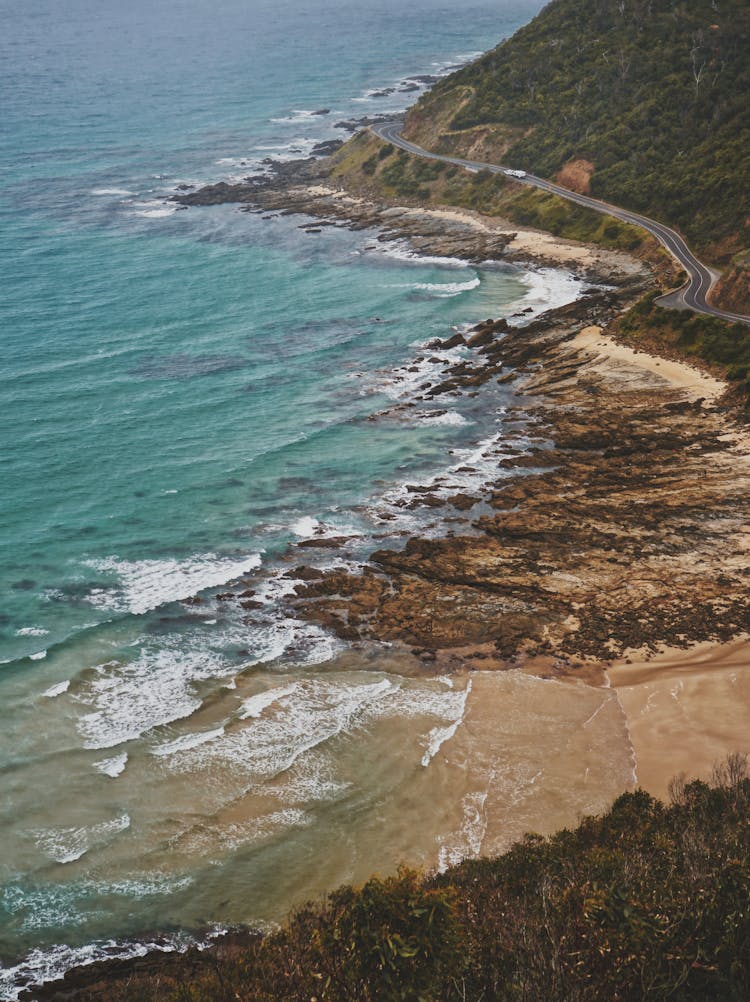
point(686, 710)
point(609, 354)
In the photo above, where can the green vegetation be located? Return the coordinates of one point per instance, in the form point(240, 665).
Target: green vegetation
point(565, 219)
point(654, 93)
point(407, 175)
point(370, 164)
point(715, 341)
point(647, 901)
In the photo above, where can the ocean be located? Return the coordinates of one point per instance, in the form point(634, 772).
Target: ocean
point(186, 395)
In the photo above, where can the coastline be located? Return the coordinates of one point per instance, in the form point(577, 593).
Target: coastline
point(679, 396)
point(645, 395)
point(320, 589)
point(304, 188)
point(586, 396)
point(621, 369)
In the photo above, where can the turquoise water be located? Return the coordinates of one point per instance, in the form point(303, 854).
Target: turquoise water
point(185, 394)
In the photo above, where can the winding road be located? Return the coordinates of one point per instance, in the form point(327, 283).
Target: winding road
point(701, 279)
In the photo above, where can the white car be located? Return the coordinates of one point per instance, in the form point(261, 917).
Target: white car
point(516, 173)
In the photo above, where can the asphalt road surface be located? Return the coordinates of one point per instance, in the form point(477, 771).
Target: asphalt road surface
point(692, 296)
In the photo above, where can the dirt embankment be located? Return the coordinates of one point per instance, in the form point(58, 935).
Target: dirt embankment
point(732, 291)
point(576, 175)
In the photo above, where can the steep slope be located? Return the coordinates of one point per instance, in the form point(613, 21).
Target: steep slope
point(643, 102)
point(733, 289)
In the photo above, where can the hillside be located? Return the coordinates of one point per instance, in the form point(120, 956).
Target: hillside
point(643, 102)
point(646, 901)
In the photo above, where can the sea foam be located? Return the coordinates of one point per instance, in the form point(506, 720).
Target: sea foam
point(446, 290)
point(439, 735)
point(57, 690)
point(114, 766)
point(65, 845)
point(126, 700)
point(147, 584)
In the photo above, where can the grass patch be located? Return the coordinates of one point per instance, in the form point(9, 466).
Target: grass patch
point(549, 212)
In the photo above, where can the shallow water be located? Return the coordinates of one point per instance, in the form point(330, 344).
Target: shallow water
point(188, 394)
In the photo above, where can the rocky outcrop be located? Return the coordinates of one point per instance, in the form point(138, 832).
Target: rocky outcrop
point(305, 187)
point(601, 541)
point(732, 291)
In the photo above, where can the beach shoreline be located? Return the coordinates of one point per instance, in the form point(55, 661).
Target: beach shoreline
point(550, 374)
point(687, 710)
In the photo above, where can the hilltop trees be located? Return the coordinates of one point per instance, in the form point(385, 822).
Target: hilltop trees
point(653, 92)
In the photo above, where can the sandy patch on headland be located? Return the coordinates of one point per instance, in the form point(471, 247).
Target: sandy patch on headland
point(325, 191)
point(609, 354)
point(523, 243)
point(536, 244)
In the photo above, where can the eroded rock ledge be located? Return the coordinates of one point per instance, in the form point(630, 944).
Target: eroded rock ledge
point(633, 529)
point(626, 525)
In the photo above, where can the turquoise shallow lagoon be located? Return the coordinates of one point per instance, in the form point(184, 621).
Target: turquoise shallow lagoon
point(185, 394)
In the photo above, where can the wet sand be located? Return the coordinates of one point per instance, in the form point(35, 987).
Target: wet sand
point(686, 710)
point(531, 755)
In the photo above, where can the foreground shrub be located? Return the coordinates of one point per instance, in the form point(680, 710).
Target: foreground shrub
point(646, 902)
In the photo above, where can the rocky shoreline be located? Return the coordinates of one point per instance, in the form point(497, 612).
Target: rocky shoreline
point(306, 188)
point(598, 543)
point(592, 544)
point(621, 529)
